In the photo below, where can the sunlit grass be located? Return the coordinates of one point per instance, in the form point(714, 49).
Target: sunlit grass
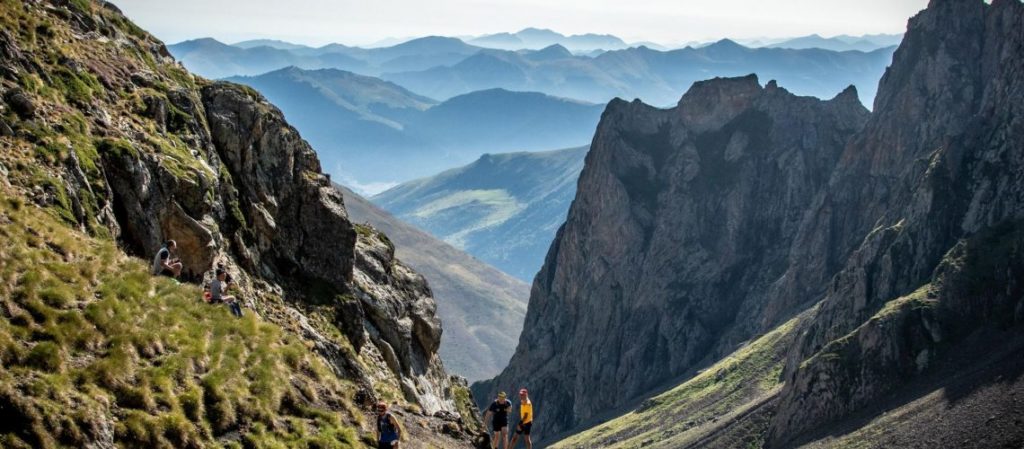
point(90, 343)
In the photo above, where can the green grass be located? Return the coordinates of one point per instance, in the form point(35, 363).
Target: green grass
point(78, 87)
point(90, 340)
point(681, 414)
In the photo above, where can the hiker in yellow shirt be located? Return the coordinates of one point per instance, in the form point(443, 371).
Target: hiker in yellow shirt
point(525, 420)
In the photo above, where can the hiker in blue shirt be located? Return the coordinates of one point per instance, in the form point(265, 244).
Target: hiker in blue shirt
point(388, 430)
point(217, 289)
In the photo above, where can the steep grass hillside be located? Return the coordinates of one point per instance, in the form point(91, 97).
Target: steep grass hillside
point(110, 147)
point(96, 349)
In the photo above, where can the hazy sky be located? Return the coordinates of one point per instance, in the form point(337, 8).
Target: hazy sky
point(318, 22)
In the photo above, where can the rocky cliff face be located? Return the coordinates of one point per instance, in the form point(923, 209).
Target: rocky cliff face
point(940, 163)
point(901, 229)
point(125, 144)
point(680, 215)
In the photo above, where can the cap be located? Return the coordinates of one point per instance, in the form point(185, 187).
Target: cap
point(502, 395)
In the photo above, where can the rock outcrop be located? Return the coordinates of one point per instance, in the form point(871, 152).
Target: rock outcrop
point(699, 227)
point(680, 215)
point(127, 145)
point(938, 169)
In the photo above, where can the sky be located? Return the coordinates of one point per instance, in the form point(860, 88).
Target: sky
point(362, 22)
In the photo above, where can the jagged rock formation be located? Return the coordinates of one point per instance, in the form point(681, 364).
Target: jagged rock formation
point(482, 308)
point(119, 141)
point(939, 174)
point(907, 224)
point(653, 265)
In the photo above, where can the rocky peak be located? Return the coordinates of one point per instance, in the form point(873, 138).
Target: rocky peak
point(712, 103)
point(894, 238)
point(679, 215)
point(931, 177)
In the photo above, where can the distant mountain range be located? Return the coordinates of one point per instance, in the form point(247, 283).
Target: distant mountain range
point(535, 39)
point(442, 67)
point(214, 59)
point(844, 42)
point(655, 76)
point(503, 208)
point(481, 308)
point(394, 135)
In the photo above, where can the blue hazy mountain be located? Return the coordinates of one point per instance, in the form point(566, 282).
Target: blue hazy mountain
point(214, 59)
point(443, 67)
point(272, 43)
point(842, 42)
point(654, 76)
point(394, 135)
point(503, 208)
point(535, 39)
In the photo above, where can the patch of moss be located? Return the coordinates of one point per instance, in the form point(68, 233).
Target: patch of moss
point(81, 6)
point(464, 405)
point(118, 148)
point(77, 87)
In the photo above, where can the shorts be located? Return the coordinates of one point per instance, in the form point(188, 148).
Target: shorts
point(166, 272)
point(498, 426)
point(524, 429)
point(384, 445)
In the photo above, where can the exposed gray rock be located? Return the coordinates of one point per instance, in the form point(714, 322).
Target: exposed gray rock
point(681, 220)
point(20, 103)
point(939, 164)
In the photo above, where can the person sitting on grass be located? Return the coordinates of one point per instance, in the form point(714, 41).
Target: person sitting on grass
point(165, 263)
point(217, 289)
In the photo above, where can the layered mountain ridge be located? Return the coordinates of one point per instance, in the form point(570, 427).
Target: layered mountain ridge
point(883, 247)
point(502, 208)
point(368, 131)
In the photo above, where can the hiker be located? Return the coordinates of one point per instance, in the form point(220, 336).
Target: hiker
point(525, 419)
point(217, 288)
point(164, 264)
point(388, 430)
point(230, 280)
point(499, 408)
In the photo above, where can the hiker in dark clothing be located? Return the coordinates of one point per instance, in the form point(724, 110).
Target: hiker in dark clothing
point(500, 409)
point(388, 430)
point(164, 263)
point(217, 289)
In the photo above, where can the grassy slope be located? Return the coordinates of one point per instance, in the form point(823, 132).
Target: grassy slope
point(92, 348)
point(482, 308)
point(503, 208)
point(87, 335)
point(973, 387)
point(696, 408)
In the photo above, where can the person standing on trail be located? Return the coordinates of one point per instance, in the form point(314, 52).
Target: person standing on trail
point(499, 408)
point(164, 263)
point(525, 420)
point(388, 430)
